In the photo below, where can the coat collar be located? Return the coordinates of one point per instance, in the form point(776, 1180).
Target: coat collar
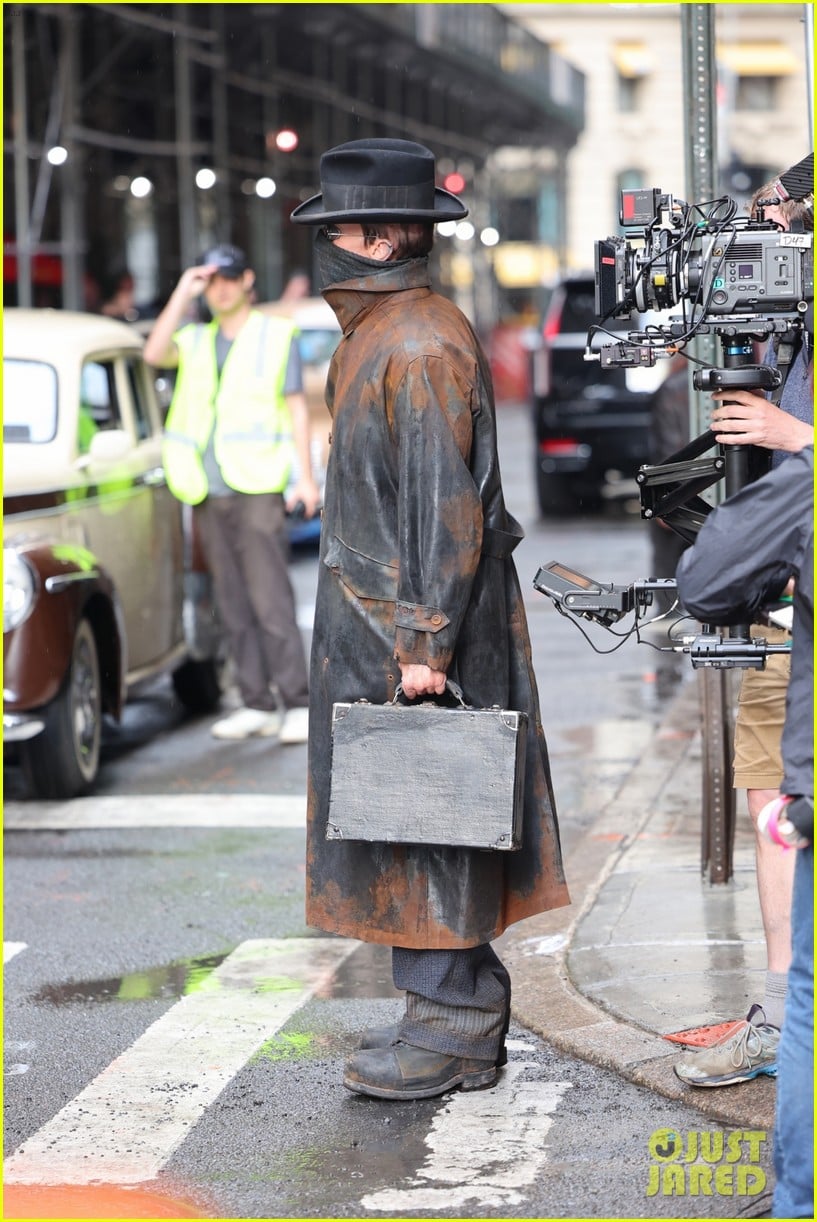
point(353, 299)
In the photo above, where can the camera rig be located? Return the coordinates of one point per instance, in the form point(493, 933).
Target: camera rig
point(742, 279)
point(576, 595)
point(734, 275)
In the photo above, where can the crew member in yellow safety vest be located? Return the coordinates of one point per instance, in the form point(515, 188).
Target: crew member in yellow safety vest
point(237, 426)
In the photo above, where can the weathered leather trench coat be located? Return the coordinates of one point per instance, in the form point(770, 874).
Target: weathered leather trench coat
point(416, 566)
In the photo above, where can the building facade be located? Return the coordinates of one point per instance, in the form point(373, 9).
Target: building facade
point(634, 135)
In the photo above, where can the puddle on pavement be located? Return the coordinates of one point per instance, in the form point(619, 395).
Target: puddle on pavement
point(366, 973)
point(171, 981)
point(368, 1163)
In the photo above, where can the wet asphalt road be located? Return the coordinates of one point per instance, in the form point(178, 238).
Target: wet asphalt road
point(117, 930)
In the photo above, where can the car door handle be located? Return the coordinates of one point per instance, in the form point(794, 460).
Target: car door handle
point(154, 478)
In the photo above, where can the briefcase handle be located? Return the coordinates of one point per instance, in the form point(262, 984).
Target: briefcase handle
point(451, 687)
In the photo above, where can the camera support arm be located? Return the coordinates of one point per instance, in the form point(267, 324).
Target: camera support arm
point(606, 603)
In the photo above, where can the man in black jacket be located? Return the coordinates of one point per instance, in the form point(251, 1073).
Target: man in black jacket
point(747, 552)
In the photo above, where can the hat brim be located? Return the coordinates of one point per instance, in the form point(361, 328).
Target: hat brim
point(447, 207)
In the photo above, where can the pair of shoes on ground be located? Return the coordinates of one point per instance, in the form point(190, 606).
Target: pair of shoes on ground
point(289, 727)
point(386, 1067)
point(741, 1055)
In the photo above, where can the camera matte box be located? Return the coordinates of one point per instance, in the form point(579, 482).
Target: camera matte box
point(427, 774)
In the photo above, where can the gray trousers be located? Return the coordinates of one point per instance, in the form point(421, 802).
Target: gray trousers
point(248, 553)
point(457, 1001)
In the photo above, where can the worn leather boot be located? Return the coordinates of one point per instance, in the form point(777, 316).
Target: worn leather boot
point(403, 1071)
point(381, 1037)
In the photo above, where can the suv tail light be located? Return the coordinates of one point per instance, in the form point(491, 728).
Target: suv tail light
point(553, 322)
point(564, 447)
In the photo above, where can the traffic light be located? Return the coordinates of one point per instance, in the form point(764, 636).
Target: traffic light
point(454, 182)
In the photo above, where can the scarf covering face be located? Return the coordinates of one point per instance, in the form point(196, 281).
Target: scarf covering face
point(336, 265)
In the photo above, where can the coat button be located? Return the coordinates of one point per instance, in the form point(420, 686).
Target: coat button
point(436, 618)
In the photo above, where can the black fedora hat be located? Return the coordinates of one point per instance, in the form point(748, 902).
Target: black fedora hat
point(379, 180)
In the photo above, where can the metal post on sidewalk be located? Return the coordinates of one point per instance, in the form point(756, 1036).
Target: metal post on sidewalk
point(718, 796)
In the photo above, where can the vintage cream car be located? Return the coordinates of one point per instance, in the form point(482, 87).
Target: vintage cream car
point(104, 586)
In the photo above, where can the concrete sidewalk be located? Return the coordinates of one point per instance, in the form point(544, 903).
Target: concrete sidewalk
point(649, 946)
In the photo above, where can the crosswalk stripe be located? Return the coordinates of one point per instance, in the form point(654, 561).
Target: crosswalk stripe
point(159, 810)
point(10, 949)
point(484, 1146)
point(124, 1126)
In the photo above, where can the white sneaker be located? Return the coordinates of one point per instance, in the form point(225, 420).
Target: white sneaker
point(248, 723)
point(296, 726)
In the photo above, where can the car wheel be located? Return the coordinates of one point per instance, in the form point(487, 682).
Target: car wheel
point(63, 759)
point(198, 684)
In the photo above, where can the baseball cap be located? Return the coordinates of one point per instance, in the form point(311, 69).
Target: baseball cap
point(230, 260)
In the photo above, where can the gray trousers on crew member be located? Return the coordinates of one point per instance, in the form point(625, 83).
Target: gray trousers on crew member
point(457, 1001)
point(248, 553)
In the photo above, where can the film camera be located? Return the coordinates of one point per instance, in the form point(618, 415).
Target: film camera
point(738, 277)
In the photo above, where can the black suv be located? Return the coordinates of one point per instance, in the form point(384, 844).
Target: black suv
point(591, 430)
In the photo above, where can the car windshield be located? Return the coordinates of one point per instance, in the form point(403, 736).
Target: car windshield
point(317, 344)
point(29, 401)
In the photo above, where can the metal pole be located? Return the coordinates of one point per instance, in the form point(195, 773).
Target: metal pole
point(71, 196)
point(700, 143)
point(21, 185)
point(184, 140)
point(221, 140)
point(808, 16)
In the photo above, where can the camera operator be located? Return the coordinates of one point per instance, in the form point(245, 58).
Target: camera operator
point(746, 554)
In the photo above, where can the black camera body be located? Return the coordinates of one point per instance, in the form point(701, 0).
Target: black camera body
point(720, 268)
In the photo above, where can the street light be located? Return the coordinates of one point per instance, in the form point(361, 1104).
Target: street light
point(465, 231)
point(57, 155)
point(141, 187)
point(265, 188)
point(489, 236)
point(205, 178)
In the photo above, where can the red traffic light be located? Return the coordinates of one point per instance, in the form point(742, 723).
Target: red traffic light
point(454, 182)
point(286, 140)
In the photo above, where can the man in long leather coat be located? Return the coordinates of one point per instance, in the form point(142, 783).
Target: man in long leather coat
point(416, 583)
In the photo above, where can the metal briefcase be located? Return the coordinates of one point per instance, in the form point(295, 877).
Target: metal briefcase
point(427, 774)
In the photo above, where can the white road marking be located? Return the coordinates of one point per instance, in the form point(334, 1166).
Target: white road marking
point(159, 810)
point(10, 949)
point(125, 1125)
point(485, 1146)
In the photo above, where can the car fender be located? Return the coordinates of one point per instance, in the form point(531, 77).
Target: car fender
point(71, 584)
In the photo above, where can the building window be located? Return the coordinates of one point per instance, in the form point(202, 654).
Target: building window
point(633, 61)
point(756, 93)
point(628, 94)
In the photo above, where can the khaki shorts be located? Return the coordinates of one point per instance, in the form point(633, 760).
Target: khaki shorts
point(758, 762)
